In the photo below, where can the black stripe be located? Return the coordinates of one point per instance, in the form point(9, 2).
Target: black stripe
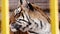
point(41, 24)
point(23, 20)
point(28, 20)
point(29, 23)
point(22, 15)
point(26, 26)
point(34, 22)
point(33, 32)
point(31, 28)
point(23, 28)
point(18, 21)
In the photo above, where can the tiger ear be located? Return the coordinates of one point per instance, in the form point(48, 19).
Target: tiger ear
point(23, 3)
point(30, 6)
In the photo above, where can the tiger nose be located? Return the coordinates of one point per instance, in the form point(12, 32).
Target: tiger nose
point(17, 26)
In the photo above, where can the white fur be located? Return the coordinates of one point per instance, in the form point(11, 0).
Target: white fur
point(17, 10)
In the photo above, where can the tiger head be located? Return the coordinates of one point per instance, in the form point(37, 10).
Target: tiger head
point(23, 5)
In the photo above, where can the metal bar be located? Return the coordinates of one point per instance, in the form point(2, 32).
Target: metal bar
point(5, 17)
point(54, 16)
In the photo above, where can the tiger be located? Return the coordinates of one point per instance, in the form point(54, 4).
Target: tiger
point(31, 18)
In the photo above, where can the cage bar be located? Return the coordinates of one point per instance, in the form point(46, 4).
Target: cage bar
point(5, 17)
point(54, 16)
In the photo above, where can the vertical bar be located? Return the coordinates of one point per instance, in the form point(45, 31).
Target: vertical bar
point(0, 9)
point(54, 16)
point(5, 17)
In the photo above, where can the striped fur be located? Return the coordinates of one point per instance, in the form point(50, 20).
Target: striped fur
point(30, 18)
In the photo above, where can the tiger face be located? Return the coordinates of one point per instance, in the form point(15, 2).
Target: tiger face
point(18, 15)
